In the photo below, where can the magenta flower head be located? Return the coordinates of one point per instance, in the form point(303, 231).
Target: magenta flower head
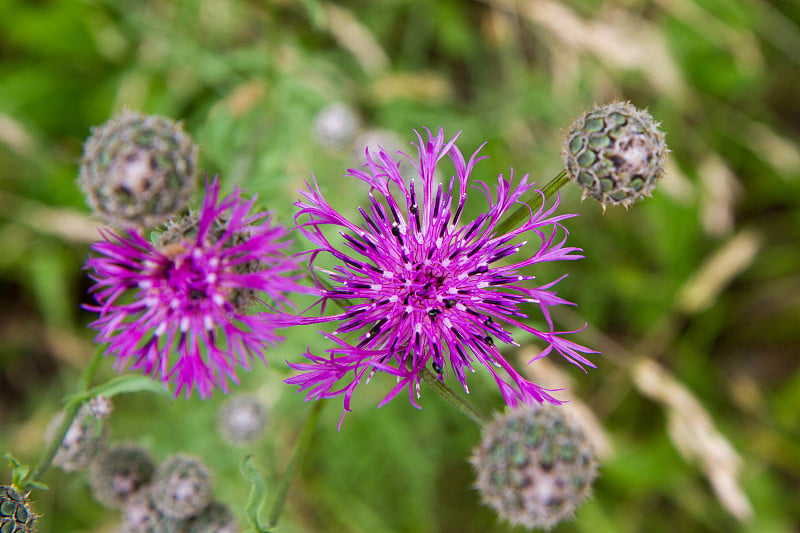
point(419, 286)
point(176, 308)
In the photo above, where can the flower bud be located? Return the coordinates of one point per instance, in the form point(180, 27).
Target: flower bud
point(138, 170)
point(82, 442)
point(181, 487)
point(215, 518)
point(241, 419)
point(119, 473)
point(616, 153)
point(335, 126)
point(100, 407)
point(16, 513)
point(534, 466)
point(141, 516)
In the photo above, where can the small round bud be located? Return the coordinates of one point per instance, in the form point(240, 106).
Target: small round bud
point(16, 512)
point(215, 518)
point(100, 407)
point(181, 486)
point(138, 170)
point(241, 419)
point(83, 441)
point(616, 153)
point(335, 126)
point(141, 516)
point(534, 466)
point(120, 472)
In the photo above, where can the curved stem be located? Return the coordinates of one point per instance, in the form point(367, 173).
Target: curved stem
point(70, 411)
point(299, 451)
point(534, 200)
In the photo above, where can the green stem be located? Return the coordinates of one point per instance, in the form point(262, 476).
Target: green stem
point(70, 411)
point(534, 200)
point(452, 398)
point(303, 442)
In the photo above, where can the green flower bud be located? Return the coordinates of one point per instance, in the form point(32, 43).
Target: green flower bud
point(138, 170)
point(241, 419)
point(181, 487)
point(616, 153)
point(141, 516)
point(119, 473)
point(534, 466)
point(215, 518)
point(16, 513)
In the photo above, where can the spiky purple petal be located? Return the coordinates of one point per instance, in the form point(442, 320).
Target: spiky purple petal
point(420, 286)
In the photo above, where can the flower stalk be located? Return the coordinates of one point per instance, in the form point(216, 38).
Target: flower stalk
point(300, 449)
point(70, 411)
point(534, 200)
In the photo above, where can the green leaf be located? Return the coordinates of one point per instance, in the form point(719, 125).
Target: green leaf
point(258, 493)
point(20, 472)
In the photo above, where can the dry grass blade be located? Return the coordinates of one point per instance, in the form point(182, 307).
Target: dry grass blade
point(68, 224)
point(702, 289)
point(692, 430)
point(627, 43)
point(356, 38)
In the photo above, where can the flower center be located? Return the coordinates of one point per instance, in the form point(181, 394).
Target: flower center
point(426, 284)
point(193, 275)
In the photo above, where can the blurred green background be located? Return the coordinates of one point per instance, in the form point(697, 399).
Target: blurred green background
point(693, 296)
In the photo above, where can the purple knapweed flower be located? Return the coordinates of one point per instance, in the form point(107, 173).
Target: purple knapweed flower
point(419, 286)
point(186, 293)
